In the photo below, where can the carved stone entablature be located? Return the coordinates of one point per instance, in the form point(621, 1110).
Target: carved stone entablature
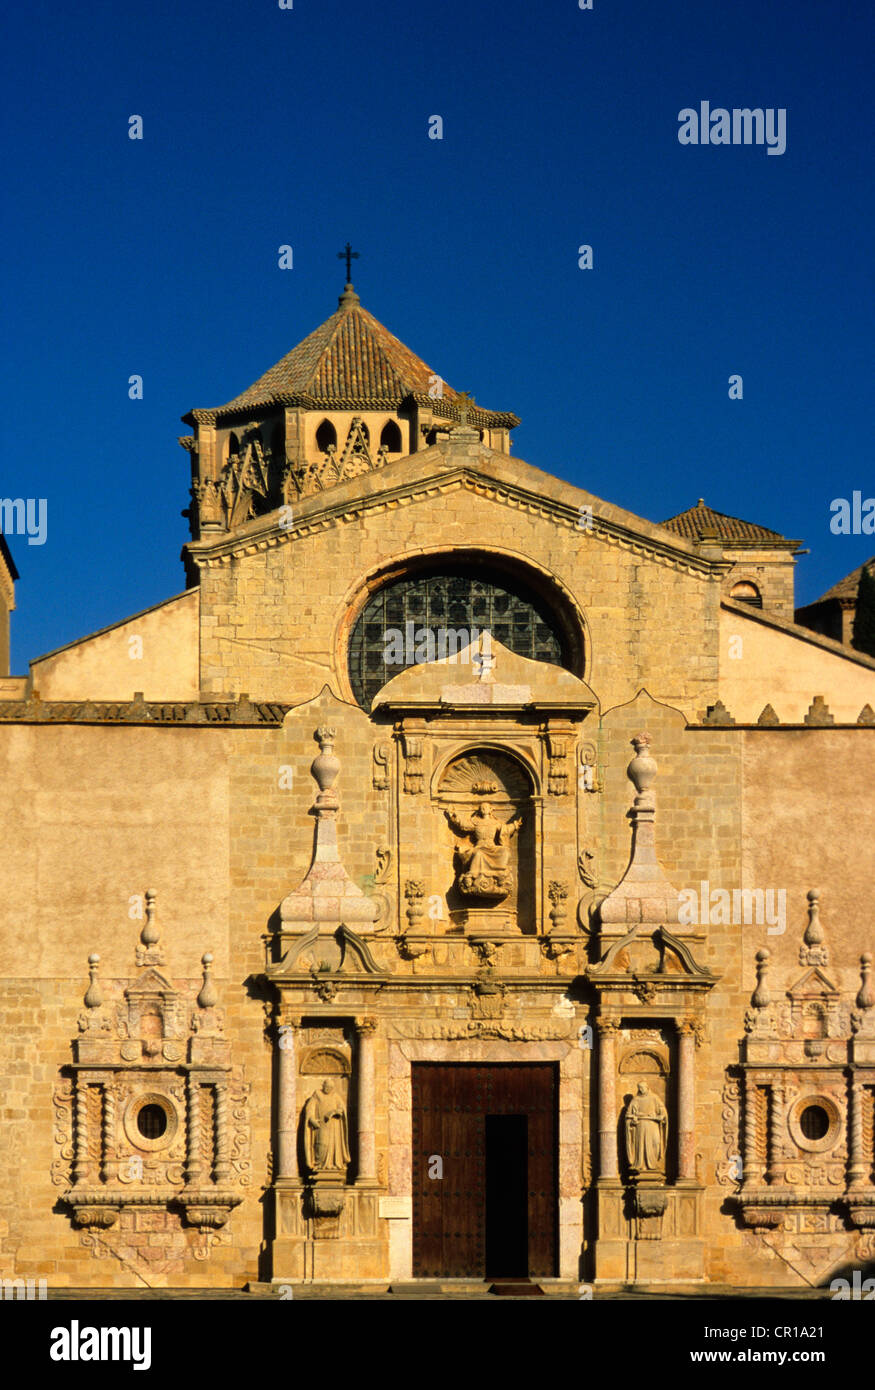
point(151, 1112)
point(485, 1028)
point(801, 1125)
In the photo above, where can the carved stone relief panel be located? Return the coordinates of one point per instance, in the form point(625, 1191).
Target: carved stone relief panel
point(154, 1114)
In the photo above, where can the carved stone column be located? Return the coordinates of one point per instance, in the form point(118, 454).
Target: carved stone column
point(81, 1165)
point(193, 1130)
point(108, 1135)
point(287, 1109)
point(366, 1097)
point(608, 1098)
point(686, 1101)
point(753, 1165)
point(222, 1165)
point(856, 1163)
point(777, 1108)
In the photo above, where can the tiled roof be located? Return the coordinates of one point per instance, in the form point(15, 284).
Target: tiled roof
point(848, 587)
point(350, 356)
point(701, 519)
point(350, 362)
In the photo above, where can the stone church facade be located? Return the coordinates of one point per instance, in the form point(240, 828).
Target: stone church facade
point(463, 878)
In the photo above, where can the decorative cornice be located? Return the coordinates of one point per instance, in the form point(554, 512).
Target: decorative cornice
point(210, 553)
point(192, 713)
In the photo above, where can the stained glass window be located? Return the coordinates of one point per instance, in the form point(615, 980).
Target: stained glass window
point(429, 615)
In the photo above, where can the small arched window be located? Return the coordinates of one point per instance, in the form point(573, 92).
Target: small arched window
point(326, 435)
point(390, 439)
point(745, 592)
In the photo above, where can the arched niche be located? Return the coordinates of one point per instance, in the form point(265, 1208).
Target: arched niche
point(652, 1064)
point(487, 800)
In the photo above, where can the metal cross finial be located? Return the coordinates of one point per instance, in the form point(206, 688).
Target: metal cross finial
point(349, 255)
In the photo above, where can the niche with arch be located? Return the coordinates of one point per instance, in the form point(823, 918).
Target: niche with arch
point(487, 802)
point(649, 1060)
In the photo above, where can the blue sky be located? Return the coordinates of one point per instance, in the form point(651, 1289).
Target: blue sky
point(309, 127)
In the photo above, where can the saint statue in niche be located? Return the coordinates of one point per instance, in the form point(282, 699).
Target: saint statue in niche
point(646, 1131)
point(326, 1137)
point(484, 866)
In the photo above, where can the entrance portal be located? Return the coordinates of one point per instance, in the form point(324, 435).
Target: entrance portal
point(488, 1208)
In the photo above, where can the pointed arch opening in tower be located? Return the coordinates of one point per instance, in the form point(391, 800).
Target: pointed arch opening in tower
point(326, 435)
point(390, 438)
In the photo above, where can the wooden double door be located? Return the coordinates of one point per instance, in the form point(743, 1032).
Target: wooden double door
point(484, 1170)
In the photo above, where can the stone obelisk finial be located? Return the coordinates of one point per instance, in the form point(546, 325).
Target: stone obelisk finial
point(324, 769)
point(644, 894)
point(326, 895)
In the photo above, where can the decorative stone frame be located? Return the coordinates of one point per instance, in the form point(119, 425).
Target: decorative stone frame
point(403, 1053)
point(834, 1114)
point(138, 1103)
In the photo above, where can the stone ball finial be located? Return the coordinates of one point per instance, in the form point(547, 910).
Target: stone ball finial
point(93, 995)
point(643, 768)
point(207, 996)
point(326, 765)
point(866, 996)
point(150, 933)
point(814, 931)
point(761, 999)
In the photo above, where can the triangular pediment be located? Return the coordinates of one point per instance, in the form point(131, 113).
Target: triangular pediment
point(494, 477)
point(813, 985)
point(150, 982)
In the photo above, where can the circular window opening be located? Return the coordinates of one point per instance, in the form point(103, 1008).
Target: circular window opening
point(152, 1121)
point(814, 1122)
